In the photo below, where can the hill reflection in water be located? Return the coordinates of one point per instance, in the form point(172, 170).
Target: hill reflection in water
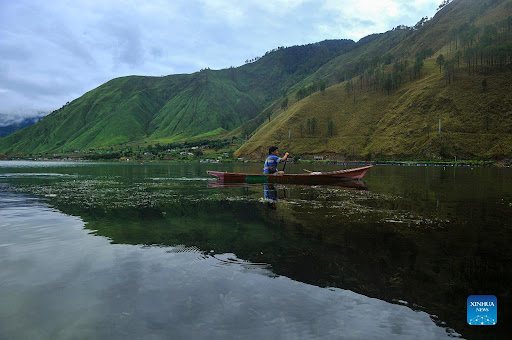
point(80, 286)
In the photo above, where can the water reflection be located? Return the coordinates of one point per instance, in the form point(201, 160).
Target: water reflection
point(418, 235)
point(74, 285)
point(270, 192)
point(274, 192)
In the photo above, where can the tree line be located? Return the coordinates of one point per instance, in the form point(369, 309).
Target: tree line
point(312, 127)
point(247, 61)
point(305, 91)
point(372, 74)
point(483, 49)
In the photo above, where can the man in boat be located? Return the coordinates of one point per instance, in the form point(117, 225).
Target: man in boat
point(270, 167)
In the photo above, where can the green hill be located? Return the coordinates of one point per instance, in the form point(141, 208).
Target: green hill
point(388, 105)
point(138, 110)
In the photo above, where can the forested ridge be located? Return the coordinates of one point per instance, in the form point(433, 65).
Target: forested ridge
point(428, 97)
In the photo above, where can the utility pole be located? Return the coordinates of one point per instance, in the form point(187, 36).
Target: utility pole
point(439, 127)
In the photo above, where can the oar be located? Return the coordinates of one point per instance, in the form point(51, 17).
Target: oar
point(284, 166)
point(307, 170)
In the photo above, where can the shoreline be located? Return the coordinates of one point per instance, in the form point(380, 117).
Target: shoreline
point(419, 163)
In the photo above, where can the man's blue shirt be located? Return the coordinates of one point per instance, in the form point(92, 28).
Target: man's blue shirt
point(270, 166)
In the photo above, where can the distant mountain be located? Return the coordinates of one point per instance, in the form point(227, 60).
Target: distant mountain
point(10, 124)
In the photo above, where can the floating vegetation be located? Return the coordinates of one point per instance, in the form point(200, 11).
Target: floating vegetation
point(331, 204)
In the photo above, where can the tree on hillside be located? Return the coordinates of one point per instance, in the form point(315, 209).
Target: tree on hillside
point(489, 36)
point(313, 125)
point(348, 87)
point(308, 90)
point(322, 87)
point(284, 104)
point(418, 65)
point(369, 75)
point(340, 76)
point(443, 4)
point(463, 32)
point(458, 56)
point(378, 77)
point(397, 76)
point(388, 83)
point(205, 72)
point(330, 127)
point(425, 53)
point(232, 73)
point(454, 35)
point(440, 61)
point(301, 93)
point(421, 23)
point(468, 57)
point(449, 70)
point(388, 58)
point(502, 54)
point(484, 84)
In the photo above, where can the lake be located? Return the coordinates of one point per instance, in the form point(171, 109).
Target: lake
point(159, 251)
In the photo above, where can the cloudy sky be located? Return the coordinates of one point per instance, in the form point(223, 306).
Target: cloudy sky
point(55, 51)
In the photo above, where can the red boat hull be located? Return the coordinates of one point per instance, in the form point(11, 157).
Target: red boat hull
point(311, 179)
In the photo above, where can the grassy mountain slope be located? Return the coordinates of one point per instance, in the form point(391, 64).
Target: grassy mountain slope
point(115, 112)
point(329, 72)
point(189, 113)
point(364, 122)
point(138, 110)
point(366, 48)
point(289, 66)
point(401, 125)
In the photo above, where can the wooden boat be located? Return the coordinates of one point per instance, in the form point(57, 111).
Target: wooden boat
point(346, 184)
point(309, 178)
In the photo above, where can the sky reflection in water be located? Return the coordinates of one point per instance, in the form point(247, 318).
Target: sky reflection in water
point(59, 282)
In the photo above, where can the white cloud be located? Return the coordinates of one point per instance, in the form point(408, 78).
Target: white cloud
point(279, 7)
point(364, 8)
point(217, 11)
point(363, 17)
point(54, 51)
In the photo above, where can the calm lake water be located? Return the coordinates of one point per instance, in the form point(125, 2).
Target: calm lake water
point(157, 251)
